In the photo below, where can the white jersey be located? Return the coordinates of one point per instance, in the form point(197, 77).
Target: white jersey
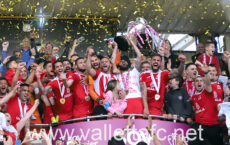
point(133, 85)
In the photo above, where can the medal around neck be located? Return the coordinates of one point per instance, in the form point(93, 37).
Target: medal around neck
point(157, 97)
point(87, 98)
point(62, 100)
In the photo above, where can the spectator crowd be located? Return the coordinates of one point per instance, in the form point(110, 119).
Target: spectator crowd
point(42, 86)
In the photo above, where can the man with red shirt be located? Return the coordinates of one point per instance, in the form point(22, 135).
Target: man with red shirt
point(153, 85)
point(205, 112)
point(19, 105)
point(49, 100)
point(3, 92)
point(12, 66)
point(190, 73)
point(208, 58)
point(82, 101)
point(63, 95)
point(101, 78)
point(218, 90)
point(21, 74)
point(95, 63)
point(67, 65)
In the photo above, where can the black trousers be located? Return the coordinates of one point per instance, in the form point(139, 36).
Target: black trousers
point(100, 110)
point(211, 135)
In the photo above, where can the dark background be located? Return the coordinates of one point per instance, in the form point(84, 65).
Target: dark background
point(96, 32)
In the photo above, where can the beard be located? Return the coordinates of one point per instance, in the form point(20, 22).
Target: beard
point(81, 70)
point(124, 68)
point(3, 91)
point(96, 66)
point(67, 69)
point(155, 69)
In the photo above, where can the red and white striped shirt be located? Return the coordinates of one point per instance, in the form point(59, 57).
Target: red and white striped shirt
point(100, 82)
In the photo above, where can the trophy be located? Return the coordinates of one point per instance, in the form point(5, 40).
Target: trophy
point(140, 26)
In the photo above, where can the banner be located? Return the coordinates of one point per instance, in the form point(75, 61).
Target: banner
point(99, 132)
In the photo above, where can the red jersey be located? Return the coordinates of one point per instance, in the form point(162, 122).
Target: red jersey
point(189, 87)
point(218, 92)
point(205, 108)
point(82, 100)
point(64, 99)
point(100, 82)
point(155, 104)
point(47, 114)
point(205, 59)
point(10, 75)
point(17, 109)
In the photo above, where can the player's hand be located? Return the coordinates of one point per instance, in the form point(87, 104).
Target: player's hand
point(146, 112)
point(5, 45)
point(63, 76)
point(110, 115)
point(182, 58)
point(129, 124)
point(119, 114)
point(21, 65)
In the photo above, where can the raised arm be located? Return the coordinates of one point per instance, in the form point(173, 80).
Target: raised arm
point(67, 82)
point(161, 51)
point(30, 79)
point(16, 76)
point(33, 44)
point(32, 58)
point(89, 68)
point(67, 46)
point(136, 49)
point(113, 58)
point(114, 55)
point(45, 90)
point(72, 50)
point(207, 80)
point(128, 125)
point(182, 60)
point(10, 95)
point(180, 70)
point(156, 141)
point(27, 116)
point(5, 46)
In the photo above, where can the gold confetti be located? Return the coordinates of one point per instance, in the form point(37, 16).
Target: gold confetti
point(158, 26)
point(88, 11)
point(3, 8)
point(206, 33)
